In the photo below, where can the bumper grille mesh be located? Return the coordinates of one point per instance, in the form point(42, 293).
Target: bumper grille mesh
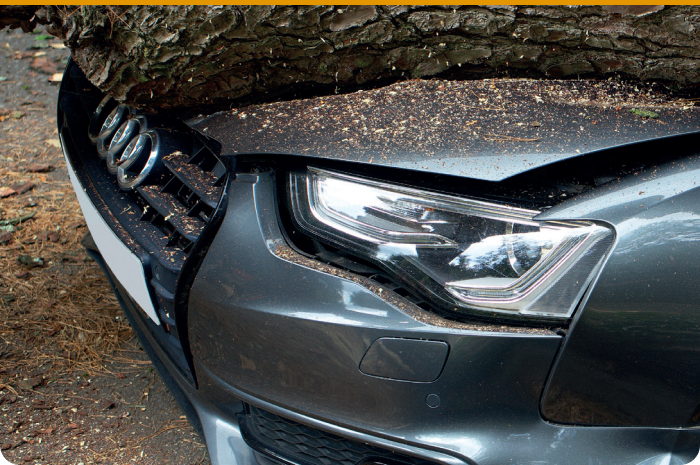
point(292, 442)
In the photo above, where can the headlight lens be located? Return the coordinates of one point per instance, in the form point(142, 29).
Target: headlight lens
point(464, 253)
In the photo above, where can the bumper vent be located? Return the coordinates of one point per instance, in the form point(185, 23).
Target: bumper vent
point(160, 220)
point(293, 443)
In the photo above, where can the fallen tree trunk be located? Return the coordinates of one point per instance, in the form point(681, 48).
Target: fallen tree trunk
point(193, 55)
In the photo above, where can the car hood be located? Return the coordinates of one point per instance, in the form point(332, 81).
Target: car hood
point(487, 129)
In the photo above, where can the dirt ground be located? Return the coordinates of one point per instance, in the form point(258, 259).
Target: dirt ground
point(75, 388)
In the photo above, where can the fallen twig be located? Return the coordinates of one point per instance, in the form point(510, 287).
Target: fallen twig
point(503, 137)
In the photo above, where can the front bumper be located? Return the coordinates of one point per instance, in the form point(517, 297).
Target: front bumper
point(289, 338)
point(315, 327)
point(270, 329)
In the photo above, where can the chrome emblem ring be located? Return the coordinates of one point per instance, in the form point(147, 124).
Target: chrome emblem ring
point(139, 161)
point(99, 116)
point(126, 132)
point(109, 127)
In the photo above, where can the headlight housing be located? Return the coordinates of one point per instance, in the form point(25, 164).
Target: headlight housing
point(462, 254)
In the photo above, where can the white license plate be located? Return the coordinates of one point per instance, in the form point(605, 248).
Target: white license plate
point(125, 265)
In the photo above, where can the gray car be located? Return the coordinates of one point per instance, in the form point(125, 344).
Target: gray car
point(484, 273)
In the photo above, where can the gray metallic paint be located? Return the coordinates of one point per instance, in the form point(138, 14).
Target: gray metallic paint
point(633, 352)
point(290, 339)
point(404, 359)
point(449, 130)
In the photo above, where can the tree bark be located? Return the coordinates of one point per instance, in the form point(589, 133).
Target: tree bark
point(165, 56)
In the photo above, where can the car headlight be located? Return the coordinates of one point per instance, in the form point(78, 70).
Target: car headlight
point(461, 253)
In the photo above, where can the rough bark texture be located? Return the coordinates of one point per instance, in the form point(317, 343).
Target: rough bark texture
point(16, 16)
point(194, 55)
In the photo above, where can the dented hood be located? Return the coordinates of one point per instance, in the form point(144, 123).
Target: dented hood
point(488, 129)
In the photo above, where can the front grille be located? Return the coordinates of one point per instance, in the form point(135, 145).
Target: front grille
point(293, 443)
point(160, 222)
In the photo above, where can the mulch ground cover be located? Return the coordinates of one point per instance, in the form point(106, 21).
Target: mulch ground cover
point(75, 388)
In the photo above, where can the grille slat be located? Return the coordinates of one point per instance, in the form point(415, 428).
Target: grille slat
point(166, 318)
point(173, 212)
point(162, 292)
point(200, 182)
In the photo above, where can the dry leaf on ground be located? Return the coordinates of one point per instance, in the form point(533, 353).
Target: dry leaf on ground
point(22, 188)
point(39, 167)
point(6, 192)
